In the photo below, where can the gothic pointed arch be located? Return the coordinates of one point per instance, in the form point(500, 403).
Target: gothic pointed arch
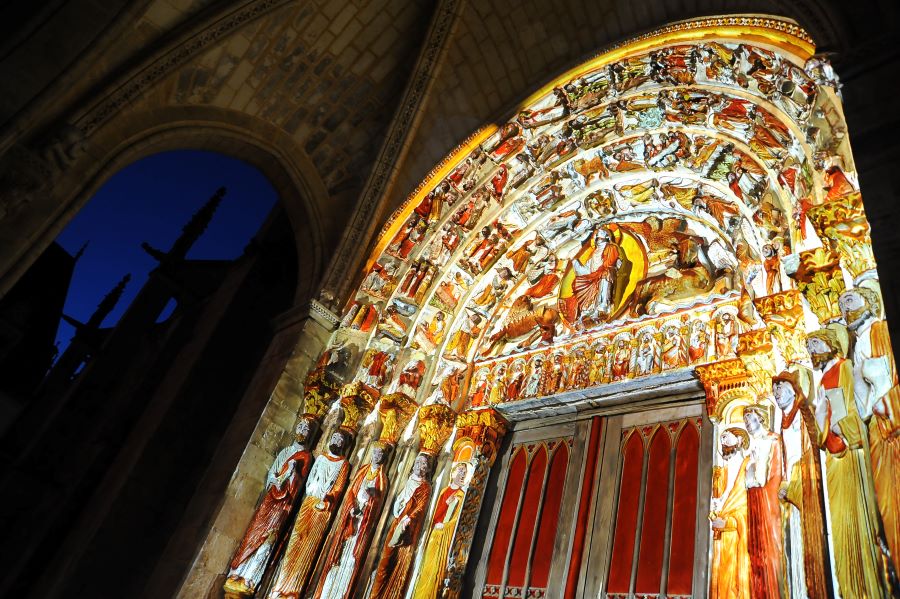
point(682, 205)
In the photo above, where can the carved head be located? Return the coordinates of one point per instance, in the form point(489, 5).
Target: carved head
point(421, 466)
point(820, 351)
point(851, 301)
point(856, 302)
point(755, 418)
point(379, 454)
point(458, 474)
point(733, 439)
point(784, 394)
point(826, 344)
point(303, 431)
point(339, 443)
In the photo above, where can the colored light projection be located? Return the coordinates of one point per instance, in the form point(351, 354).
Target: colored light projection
point(687, 200)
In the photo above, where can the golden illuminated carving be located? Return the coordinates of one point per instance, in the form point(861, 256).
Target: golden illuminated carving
point(783, 314)
point(319, 392)
point(564, 249)
point(821, 282)
point(357, 400)
point(754, 342)
point(435, 424)
point(484, 428)
point(396, 410)
point(755, 351)
point(842, 224)
point(722, 380)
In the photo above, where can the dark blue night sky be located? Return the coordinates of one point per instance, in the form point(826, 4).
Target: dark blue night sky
point(151, 200)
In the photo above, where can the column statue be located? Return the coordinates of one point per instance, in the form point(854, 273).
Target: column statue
point(854, 517)
point(877, 397)
point(324, 488)
point(763, 478)
point(802, 488)
point(432, 577)
point(359, 516)
point(407, 516)
point(730, 560)
point(284, 484)
point(354, 527)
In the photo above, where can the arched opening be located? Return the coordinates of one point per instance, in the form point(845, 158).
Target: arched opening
point(140, 399)
point(150, 201)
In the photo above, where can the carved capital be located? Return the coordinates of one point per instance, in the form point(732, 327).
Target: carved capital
point(484, 429)
point(723, 381)
point(323, 315)
point(755, 350)
point(783, 315)
point(435, 425)
point(842, 224)
point(357, 400)
point(821, 282)
point(395, 410)
point(319, 392)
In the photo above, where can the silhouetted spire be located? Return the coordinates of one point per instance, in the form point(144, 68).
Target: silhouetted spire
point(108, 302)
point(191, 231)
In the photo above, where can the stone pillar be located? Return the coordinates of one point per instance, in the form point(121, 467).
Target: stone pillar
point(484, 429)
point(308, 330)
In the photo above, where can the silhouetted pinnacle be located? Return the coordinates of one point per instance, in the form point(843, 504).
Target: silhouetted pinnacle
point(191, 231)
point(197, 225)
point(108, 302)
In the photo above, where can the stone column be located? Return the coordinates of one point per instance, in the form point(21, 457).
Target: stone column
point(484, 429)
point(303, 335)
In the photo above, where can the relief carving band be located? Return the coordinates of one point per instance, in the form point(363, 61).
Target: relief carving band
point(684, 206)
